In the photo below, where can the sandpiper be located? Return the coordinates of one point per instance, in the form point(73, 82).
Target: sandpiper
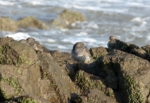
point(80, 52)
point(112, 42)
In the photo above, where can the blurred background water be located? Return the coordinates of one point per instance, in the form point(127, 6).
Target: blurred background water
point(128, 20)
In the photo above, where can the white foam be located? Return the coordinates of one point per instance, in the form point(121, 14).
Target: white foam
point(91, 25)
point(51, 40)
point(74, 39)
point(138, 21)
point(61, 47)
point(62, 29)
point(138, 4)
point(19, 35)
point(148, 37)
point(35, 2)
point(81, 34)
point(2, 2)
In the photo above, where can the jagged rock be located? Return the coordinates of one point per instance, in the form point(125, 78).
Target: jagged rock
point(58, 77)
point(22, 99)
point(66, 61)
point(35, 45)
point(126, 47)
point(139, 52)
point(7, 24)
point(30, 21)
point(146, 48)
point(44, 76)
point(132, 75)
point(88, 83)
point(96, 96)
point(66, 18)
point(25, 72)
point(97, 52)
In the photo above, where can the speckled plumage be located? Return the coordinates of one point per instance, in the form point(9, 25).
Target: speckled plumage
point(80, 52)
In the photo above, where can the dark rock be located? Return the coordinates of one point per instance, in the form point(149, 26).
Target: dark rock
point(132, 75)
point(126, 47)
point(93, 88)
point(146, 48)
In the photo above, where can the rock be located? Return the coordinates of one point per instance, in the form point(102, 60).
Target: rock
point(58, 77)
point(98, 51)
point(7, 24)
point(89, 84)
point(66, 62)
point(126, 47)
point(30, 73)
point(22, 99)
point(25, 72)
point(132, 75)
point(146, 48)
point(30, 21)
point(96, 96)
point(34, 45)
point(139, 52)
point(66, 18)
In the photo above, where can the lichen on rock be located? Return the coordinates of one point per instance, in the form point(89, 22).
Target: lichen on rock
point(30, 21)
point(66, 18)
point(98, 51)
point(131, 90)
point(131, 75)
point(7, 24)
point(87, 81)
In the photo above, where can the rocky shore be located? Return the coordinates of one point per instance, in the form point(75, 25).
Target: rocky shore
point(32, 73)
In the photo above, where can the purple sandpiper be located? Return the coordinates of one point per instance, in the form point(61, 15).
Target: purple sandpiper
point(80, 52)
point(111, 42)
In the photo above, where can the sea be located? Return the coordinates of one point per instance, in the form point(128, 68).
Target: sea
point(128, 20)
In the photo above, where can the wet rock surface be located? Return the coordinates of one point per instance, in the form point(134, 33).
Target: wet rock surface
point(31, 73)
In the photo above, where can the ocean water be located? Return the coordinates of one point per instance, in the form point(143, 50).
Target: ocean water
point(128, 20)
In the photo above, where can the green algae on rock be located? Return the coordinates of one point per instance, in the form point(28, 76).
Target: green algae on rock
point(132, 75)
point(98, 51)
point(30, 21)
point(14, 83)
point(7, 24)
point(131, 90)
point(87, 81)
point(66, 18)
point(26, 100)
